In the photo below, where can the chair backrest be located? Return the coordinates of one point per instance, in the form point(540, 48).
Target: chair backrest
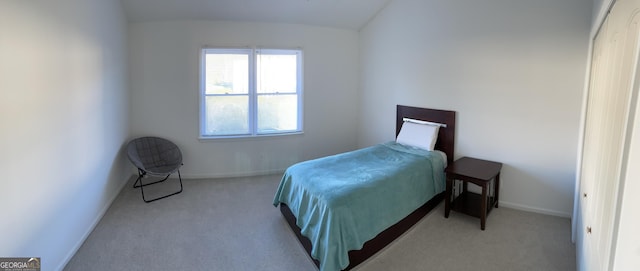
point(154, 154)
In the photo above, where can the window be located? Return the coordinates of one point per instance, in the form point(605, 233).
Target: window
point(250, 92)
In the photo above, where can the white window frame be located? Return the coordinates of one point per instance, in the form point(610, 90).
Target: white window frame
point(252, 92)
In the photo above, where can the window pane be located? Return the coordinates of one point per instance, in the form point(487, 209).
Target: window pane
point(277, 73)
point(277, 113)
point(227, 115)
point(226, 73)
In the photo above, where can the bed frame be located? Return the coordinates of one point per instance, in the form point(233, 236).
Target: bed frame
point(445, 143)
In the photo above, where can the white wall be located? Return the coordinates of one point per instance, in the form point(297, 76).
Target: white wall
point(64, 118)
point(164, 79)
point(513, 71)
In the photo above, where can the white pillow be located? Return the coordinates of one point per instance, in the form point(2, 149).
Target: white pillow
point(422, 136)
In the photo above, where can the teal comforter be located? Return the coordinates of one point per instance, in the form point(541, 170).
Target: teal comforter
point(344, 200)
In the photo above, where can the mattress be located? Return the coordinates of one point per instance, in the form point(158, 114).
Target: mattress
point(342, 201)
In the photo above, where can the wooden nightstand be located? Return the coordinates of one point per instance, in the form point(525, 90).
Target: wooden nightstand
point(479, 172)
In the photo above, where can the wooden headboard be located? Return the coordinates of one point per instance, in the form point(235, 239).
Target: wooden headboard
point(446, 136)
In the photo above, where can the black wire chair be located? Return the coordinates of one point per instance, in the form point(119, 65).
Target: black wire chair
point(154, 156)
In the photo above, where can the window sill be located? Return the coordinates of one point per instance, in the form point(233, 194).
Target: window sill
point(247, 137)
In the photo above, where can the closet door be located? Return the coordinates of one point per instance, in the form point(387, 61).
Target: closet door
point(592, 137)
point(615, 52)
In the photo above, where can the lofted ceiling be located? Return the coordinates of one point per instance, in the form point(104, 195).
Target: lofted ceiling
point(349, 14)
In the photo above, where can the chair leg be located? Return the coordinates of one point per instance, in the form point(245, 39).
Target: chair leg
point(141, 186)
point(141, 174)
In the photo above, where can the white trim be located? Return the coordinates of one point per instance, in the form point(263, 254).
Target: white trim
point(94, 224)
point(580, 147)
point(249, 137)
point(252, 93)
point(201, 79)
point(300, 89)
point(601, 16)
point(534, 209)
point(187, 177)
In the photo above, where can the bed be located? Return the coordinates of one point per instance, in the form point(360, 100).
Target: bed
point(346, 207)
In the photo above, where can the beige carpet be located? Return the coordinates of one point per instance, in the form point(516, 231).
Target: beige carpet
point(230, 224)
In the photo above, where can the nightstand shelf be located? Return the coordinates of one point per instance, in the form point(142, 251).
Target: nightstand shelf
point(468, 202)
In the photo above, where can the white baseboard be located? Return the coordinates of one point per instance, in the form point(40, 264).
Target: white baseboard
point(95, 222)
point(534, 209)
point(232, 175)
